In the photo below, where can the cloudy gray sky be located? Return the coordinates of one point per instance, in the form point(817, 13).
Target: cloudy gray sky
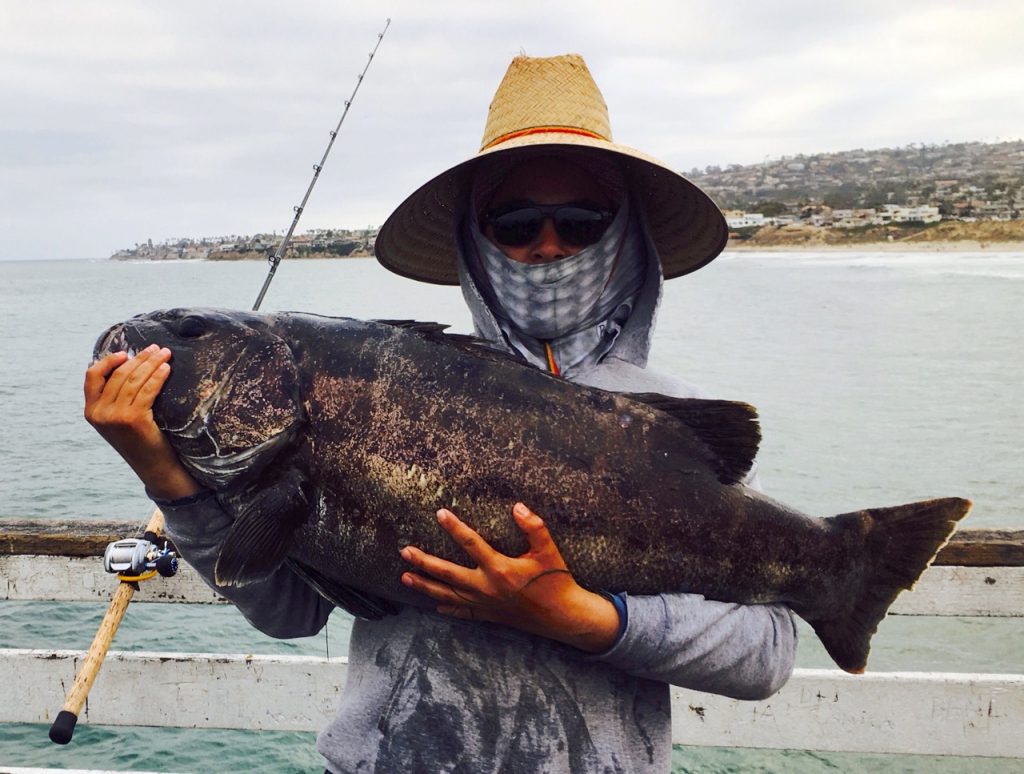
point(125, 120)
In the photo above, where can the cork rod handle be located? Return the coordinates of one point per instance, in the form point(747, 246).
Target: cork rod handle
point(63, 727)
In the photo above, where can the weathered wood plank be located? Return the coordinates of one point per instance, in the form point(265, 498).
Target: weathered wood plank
point(984, 548)
point(894, 712)
point(967, 547)
point(83, 579)
point(975, 591)
point(59, 537)
point(933, 714)
point(186, 690)
point(943, 591)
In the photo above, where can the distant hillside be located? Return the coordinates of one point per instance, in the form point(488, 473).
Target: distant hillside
point(316, 243)
point(966, 182)
point(971, 179)
point(980, 234)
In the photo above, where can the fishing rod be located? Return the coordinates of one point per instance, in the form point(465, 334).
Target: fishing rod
point(139, 559)
point(275, 259)
point(134, 560)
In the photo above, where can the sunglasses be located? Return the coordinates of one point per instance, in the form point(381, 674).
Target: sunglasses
point(516, 225)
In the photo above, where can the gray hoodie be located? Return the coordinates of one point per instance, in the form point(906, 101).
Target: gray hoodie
point(428, 693)
point(431, 693)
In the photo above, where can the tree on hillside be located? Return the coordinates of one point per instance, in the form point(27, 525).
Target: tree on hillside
point(846, 197)
point(771, 207)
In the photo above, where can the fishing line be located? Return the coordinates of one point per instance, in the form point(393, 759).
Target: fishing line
point(275, 259)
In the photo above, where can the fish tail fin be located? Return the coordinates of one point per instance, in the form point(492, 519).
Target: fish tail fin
point(899, 544)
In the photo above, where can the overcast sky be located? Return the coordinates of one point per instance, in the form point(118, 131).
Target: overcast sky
point(130, 120)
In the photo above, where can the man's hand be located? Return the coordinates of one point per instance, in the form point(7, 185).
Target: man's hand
point(119, 396)
point(534, 592)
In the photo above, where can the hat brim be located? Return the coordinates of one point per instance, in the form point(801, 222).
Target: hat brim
point(687, 228)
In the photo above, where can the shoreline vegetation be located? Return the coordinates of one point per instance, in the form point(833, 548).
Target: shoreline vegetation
point(319, 243)
point(291, 254)
point(946, 236)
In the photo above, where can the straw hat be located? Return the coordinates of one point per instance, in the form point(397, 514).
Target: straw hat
point(550, 102)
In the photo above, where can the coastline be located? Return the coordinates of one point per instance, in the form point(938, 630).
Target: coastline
point(289, 255)
point(958, 246)
point(944, 237)
point(734, 246)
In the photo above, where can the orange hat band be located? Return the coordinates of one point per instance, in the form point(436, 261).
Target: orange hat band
point(543, 130)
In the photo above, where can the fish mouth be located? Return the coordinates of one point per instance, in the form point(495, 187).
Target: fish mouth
point(203, 452)
point(115, 339)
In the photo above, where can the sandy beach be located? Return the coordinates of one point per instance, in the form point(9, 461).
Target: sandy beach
point(962, 246)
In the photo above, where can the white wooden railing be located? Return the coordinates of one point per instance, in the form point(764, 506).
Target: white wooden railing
point(957, 714)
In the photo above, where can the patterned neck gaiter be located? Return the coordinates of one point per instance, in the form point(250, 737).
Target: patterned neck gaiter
point(550, 300)
point(576, 305)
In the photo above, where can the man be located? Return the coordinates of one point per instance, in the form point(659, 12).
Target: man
point(559, 239)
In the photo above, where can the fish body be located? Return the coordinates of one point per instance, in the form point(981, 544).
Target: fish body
point(332, 442)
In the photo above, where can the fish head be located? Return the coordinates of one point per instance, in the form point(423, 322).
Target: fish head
point(233, 399)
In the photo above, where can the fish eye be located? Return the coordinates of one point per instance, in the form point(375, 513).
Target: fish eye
point(192, 327)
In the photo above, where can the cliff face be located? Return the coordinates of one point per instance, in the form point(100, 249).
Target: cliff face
point(290, 254)
point(798, 235)
point(189, 252)
point(198, 252)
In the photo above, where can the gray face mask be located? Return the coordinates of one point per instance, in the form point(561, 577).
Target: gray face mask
point(551, 300)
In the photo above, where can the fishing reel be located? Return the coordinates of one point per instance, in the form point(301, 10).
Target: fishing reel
point(139, 559)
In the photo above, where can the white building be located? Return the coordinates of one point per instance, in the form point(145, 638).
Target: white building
point(745, 220)
point(853, 218)
point(895, 213)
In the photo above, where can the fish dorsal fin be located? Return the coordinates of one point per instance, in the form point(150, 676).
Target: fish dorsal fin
point(416, 325)
point(728, 428)
point(465, 341)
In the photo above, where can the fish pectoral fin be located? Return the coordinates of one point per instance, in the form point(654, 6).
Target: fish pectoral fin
point(358, 603)
point(729, 429)
point(262, 533)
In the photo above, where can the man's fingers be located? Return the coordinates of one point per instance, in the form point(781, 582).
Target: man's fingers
point(536, 531)
point(141, 376)
point(120, 391)
point(474, 545)
point(147, 392)
point(122, 374)
point(96, 375)
point(441, 592)
point(441, 569)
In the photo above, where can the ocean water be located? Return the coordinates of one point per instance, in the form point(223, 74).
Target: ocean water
point(879, 379)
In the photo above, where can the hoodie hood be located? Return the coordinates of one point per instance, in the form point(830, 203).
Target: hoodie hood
point(632, 342)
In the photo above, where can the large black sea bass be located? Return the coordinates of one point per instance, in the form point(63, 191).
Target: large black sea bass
point(332, 443)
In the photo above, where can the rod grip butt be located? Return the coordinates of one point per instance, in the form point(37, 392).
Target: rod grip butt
point(63, 727)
